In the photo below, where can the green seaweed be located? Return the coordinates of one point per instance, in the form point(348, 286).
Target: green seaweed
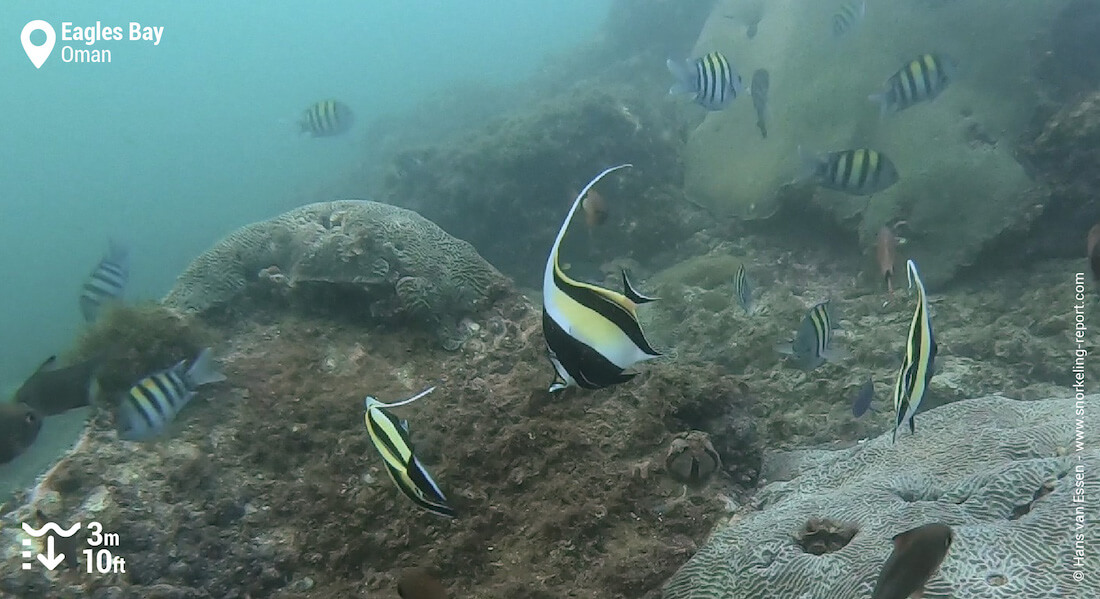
point(134, 341)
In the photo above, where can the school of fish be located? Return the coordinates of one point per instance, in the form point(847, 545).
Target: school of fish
point(593, 337)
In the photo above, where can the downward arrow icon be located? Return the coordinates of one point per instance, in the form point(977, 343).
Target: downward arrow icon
point(50, 560)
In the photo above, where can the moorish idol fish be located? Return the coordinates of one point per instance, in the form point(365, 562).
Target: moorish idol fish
point(592, 334)
point(919, 363)
point(391, 438)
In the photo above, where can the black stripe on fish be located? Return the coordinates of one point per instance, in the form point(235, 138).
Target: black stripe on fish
point(864, 167)
point(141, 404)
point(919, 363)
point(632, 294)
point(418, 495)
point(588, 368)
point(609, 310)
point(388, 435)
point(743, 289)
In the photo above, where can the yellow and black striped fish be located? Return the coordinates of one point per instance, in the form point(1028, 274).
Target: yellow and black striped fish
point(107, 282)
point(858, 172)
point(154, 401)
point(326, 119)
point(922, 79)
point(813, 342)
point(711, 78)
point(918, 365)
point(391, 438)
point(592, 334)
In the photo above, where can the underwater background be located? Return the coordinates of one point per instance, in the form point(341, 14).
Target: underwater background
point(633, 299)
point(198, 135)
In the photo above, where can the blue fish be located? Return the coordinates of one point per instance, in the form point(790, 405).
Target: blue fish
point(864, 398)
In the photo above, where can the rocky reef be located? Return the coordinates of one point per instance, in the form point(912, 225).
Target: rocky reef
point(521, 172)
point(960, 186)
point(1002, 473)
point(267, 484)
point(388, 261)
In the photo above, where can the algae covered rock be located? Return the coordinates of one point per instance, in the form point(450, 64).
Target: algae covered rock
point(130, 342)
point(520, 173)
point(371, 258)
point(960, 184)
point(1002, 473)
point(1066, 156)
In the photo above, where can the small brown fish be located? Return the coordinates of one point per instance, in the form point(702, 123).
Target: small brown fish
point(887, 255)
point(1094, 251)
point(595, 209)
point(419, 583)
point(19, 426)
point(917, 554)
point(52, 390)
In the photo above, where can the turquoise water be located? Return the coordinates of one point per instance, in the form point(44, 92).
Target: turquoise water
point(172, 146)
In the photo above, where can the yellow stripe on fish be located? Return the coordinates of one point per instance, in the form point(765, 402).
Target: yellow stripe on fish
point(921, 79)
point(920, 356)
point(592, 333)
point(390, 437)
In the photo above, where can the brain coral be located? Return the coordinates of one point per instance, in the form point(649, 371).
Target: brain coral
point(403, 263)
point(1000, 472)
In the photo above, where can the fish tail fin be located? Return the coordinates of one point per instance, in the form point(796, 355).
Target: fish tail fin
point(203, 370)
point(117, 251)
point(632, 294)
point(684, 83)
point(882, 101)
point(811, 162)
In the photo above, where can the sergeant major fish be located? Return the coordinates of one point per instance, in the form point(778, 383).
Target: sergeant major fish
point(917, 555)
point(920, 80)
point(592, 333)
point(918, 365)
point(52, 390)
point(847, 16)
point(857, 172)
point(154, 401)
point(326, 118)
point(711, 79)
point(19, 426)
point(107, 282)
point(390, 437)
point(758, 89)
point(812, 345)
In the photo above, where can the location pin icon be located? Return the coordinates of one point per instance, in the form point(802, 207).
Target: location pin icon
point(38, 54)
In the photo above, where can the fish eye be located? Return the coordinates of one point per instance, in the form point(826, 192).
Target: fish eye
point(31, 418)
